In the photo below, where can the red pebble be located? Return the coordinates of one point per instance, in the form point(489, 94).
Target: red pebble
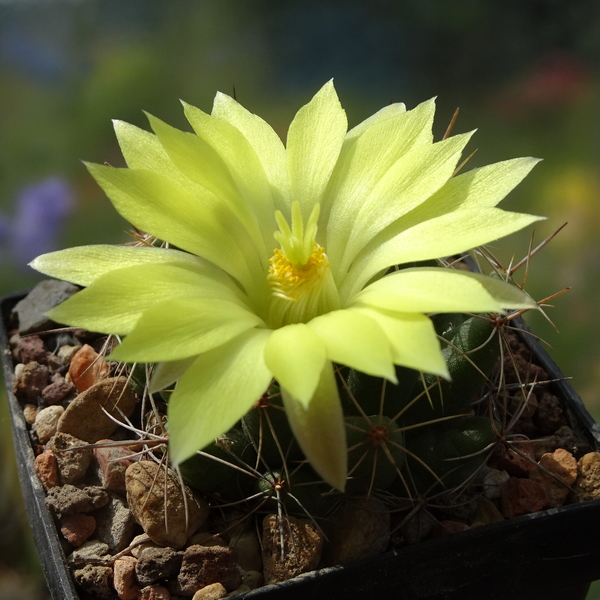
point(521, 497)
point(87, 367)
point(124, 578)
point(113, 462)
point(46, 468)
point(77, 528)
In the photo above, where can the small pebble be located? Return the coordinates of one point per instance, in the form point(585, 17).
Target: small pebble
point(73, 459)
point(85, 417)
point(159, 506)
point(31, 379)
point(155, 592)
point(214, 591)
point(46, 468)
point(125, 582)
point(301, 551)
point(87, 368)
point(556, 473)
point(46, 422)
point(587, 486)
point(77, 528)
point(205, 565)
point(522, 496)
point(96, 581)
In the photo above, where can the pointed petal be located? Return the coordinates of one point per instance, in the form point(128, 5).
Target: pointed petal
point(357, 341)
point(84, 264)
point(413, 339)
point(198, 225)
point(266, 143)
point(218, 389)
point(295, 354)
point(411, 181)
point(114, 301)
point(142, 149)
point(482, 187)
point(369, 152)
point(314, 141)
point(384, 114)
point(319, 429)
point(443, 235)
point(437, 289)
point(167, 373)
point(223, 143)
point(183, 327)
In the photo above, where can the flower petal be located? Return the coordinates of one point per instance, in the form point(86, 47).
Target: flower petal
point(84, 264)
point(369, 151)
point(482, 187)
point(183, 327)
point(295, 354)
point(142, 150)
point(319, 428)
point(218, 389)
point(443, 235)
point(437, 289)
point(199, 225)
point(357, 341)
point(384, 114)
point(410, 181)
point(266, 143)
point(167, 373)
point(314, 140)
point(413, 339)
point(114, 301)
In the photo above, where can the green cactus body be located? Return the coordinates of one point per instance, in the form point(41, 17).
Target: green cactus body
point(375, 453)
point(207, 475)
point(303, 493)
point(266, 426)
point(468, 369)
point(463, 439)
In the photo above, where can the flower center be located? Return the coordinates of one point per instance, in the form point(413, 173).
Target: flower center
point(302, 286)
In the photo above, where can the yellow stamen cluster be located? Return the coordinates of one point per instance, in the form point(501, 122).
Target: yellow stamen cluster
point(299, 276)
point(289, 281)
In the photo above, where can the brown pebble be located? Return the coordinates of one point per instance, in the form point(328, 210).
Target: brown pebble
point(360, 529)
point(31, 348)
point(446, 528)
point(155, 592)
point(124, 578)
point(159, 506)
point(518, 460)
point(46, 468)
point(487, 512)
point(77, 528)
point(72, 456)
point(560, 464)
point(32, 378)
point(301, 551)
point(85, 417)
point(96, 581)
point(205, 565)
point(87, 368)
point(522, 496)
point(587, 486)
point(214, 591)
point(57, 390)
point(30, 412)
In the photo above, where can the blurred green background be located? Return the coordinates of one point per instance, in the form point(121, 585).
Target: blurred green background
point(525, 72)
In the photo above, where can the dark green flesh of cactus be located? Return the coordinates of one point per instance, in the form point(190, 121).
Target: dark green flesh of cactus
point(377, 413)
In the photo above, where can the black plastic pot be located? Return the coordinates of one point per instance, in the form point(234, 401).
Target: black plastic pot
point(550, 555)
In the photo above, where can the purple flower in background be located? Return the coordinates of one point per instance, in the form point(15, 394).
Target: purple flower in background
point(40, 213)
